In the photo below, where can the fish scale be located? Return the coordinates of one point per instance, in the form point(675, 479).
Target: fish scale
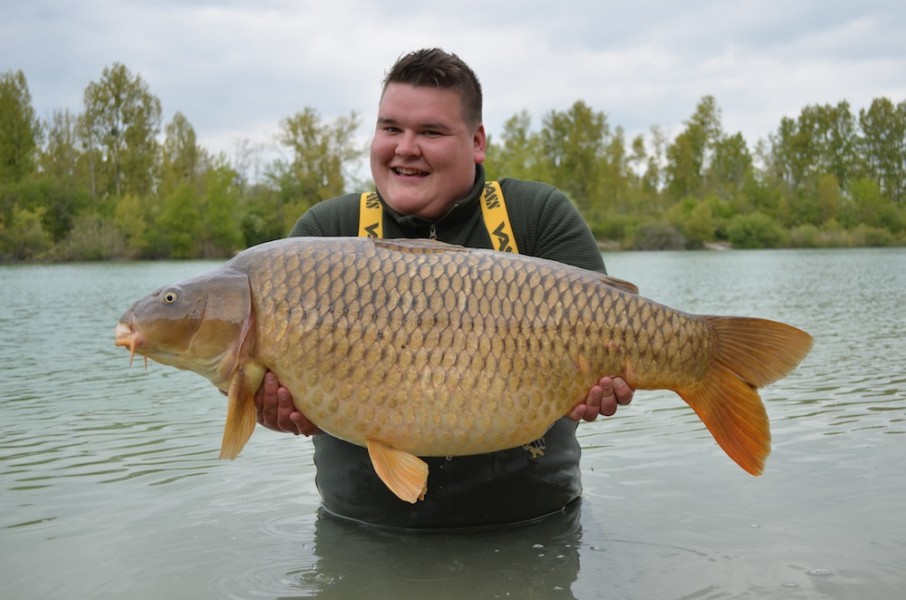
point(417, 348)
point(442, 347)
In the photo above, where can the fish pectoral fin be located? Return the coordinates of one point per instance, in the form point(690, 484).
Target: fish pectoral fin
point(405, 474)
point(241, 413)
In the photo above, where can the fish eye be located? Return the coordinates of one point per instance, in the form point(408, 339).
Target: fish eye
point(170, 296)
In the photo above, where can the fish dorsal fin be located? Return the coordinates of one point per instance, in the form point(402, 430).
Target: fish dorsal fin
point(620, 284)
point(417, 245)
point(405, 474)
point(241, 411)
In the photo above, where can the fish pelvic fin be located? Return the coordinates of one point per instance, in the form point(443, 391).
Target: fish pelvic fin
point(405, 474)
point(750, 353)
point(241, 412)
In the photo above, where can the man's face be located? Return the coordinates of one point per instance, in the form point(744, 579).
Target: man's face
point(423, 153)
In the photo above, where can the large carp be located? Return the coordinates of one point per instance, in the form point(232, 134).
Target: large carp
point(417, 348)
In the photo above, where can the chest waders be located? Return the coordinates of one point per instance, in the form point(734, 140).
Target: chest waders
point(493, 212)
point(516, 485)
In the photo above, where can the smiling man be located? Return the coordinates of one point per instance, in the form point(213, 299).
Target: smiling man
point(425, 148)
point(427, 158)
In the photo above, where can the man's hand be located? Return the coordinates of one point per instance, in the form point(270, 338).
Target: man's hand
point(276, 410)
point(603, 399)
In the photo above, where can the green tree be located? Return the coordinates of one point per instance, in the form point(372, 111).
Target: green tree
point(789, 158)
point(882, 144)
point(651, 165)
point(870, 207)
point(828, 198)
point(22, 236)
point(131, 218)
point(519, 152)
point(822, 140)
point(182, 159)
point(573, 145)
point(177, 229)
point(319, 156)
point(54, 200)
point(730, 166)
point(699, 227)
point(755, 230)
point(119, 129)
point(20, 130)
point(689, 156)
point(92, 238)
point(222, 235)
point(264, 214)
point(616, 177)
point(62, 157)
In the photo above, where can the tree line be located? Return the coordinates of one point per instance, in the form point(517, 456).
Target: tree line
point(113, 181)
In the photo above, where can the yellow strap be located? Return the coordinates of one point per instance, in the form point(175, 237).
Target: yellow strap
point(371, 216)
point(496, 219)
point(493, 211)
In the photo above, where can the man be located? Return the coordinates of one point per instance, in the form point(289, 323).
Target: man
point(426, 161)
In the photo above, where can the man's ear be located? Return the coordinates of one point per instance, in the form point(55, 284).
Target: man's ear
point(480, 144)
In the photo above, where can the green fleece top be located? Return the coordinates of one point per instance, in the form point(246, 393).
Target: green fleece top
point(545, 222)
point(509, 486)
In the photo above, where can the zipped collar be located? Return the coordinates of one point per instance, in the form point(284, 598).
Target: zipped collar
point(459, 211)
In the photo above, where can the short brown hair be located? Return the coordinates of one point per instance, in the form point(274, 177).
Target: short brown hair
point(436, 68)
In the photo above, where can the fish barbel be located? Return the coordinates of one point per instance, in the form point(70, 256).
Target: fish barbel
point(417, 348)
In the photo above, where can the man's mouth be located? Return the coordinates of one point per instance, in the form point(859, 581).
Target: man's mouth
point(405, 172)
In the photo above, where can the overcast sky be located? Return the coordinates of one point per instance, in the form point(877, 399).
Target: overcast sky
point(235, 68)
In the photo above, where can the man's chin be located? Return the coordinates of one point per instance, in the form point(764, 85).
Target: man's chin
point(409, 203)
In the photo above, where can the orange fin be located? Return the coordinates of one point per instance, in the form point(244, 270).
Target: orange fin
point(405, 474)
point(750, 353)
point(758, 350)
point(417, 245)
point(241, 413)
point(620, 284)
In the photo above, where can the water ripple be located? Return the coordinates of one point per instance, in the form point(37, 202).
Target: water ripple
point(110, 473)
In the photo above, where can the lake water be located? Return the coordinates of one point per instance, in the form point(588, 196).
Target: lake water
point(111, 486)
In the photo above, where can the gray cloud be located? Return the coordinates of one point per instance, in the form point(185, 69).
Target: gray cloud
point(236, 68)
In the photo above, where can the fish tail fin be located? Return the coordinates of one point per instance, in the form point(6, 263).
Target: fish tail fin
point(750, 353)
point(241, 412)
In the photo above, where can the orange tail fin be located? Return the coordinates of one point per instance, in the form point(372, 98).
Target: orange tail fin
point(750, 353)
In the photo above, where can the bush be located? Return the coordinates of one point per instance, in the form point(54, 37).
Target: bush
point(755, 230)
point(805, 236)
point(92, 238)
point(22, 236)
point(614, 228)
point(658, 236)
point(863, 235)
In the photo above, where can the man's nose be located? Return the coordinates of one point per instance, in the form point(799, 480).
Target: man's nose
point(407, 145)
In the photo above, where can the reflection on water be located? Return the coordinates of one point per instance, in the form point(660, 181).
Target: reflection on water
point(111, 485)
point(357, 561)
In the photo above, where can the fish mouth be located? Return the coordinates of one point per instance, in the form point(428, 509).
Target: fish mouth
point(125, 335)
